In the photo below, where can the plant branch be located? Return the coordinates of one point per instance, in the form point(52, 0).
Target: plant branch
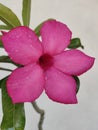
point(5, 69)
point(41, 112)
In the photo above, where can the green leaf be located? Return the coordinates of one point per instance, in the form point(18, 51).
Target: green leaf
point(6, 59)
point(19, 117)
point(3, 80)
point(75, 43)
point(8, 17)
point(1, 45)
point(13, 114)
point(77, 83)
point(37, 29)
point(7, 23)
point(4, 27)
point(26, 10)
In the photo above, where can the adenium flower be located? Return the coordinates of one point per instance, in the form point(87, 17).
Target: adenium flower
point(45, 63)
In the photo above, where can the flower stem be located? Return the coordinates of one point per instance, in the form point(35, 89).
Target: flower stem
point(41, 112)
point(5, 69)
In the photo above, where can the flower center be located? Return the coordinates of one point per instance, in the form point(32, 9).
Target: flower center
point(45, 61)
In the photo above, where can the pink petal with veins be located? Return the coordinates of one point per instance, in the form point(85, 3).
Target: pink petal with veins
point(73, 62)
point(60, 87)
point(55, 37)
point(26, 84)
point(22, 45)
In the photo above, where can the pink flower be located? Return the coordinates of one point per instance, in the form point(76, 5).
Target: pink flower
point(46, 66)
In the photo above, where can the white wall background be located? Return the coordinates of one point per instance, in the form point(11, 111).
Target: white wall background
point(82, 18)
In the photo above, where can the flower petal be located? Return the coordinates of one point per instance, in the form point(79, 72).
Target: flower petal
point(55, 36)
point(26, 84)
point(60, 87)
point(22, 45)
point(73, 62)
